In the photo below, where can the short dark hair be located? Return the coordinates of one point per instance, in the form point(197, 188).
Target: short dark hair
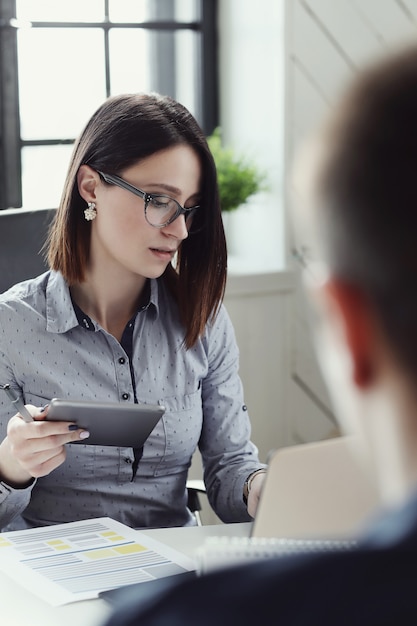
point(365, 194)
point(124, 130)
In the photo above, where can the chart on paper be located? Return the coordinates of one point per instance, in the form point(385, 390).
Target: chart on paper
point(78, 560)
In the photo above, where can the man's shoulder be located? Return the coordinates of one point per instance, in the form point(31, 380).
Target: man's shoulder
point(319, 590)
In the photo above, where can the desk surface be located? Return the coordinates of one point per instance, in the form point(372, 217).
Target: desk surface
point(20, 608)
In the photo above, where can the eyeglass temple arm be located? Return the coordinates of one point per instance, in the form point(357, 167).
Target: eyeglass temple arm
point(116, 180)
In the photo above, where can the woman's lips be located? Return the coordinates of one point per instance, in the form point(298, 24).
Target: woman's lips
point(163, 253)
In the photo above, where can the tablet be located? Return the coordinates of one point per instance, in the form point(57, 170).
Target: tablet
point(109, 423)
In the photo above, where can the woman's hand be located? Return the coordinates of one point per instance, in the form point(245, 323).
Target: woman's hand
point(254, 494)
point(34, 449)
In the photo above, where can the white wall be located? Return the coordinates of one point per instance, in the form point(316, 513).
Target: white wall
point(326, 42)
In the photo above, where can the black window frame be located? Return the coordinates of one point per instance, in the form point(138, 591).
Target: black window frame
point(11, 143)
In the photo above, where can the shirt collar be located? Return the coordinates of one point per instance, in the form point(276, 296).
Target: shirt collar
point(62, 316)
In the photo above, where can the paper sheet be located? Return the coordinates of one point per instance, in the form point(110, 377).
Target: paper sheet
point(76, 561)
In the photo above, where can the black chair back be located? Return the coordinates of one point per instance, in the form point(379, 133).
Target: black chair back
point(22, 235)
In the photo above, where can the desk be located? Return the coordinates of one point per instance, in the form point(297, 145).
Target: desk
point(20, 608)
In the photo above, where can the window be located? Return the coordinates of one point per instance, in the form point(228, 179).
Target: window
point(252, 96)
point(60, 60)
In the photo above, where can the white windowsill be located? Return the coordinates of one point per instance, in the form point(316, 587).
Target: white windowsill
point(282, 281)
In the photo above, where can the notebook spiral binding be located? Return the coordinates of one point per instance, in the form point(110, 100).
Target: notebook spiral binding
point(218, 552)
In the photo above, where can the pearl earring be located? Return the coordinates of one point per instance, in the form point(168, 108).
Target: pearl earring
point(90, 212)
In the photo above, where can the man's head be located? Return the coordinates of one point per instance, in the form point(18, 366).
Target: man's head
point(364, 195)
point(358, 189)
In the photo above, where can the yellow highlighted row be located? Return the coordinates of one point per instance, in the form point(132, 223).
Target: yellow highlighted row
point(105, 553)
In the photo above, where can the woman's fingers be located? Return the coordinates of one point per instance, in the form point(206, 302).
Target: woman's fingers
point(39, 446)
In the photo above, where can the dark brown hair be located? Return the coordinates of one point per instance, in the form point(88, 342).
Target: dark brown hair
point(366, 195)
point(124, 130)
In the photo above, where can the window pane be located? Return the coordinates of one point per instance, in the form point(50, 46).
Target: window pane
point(164, 62)
point(60, 84)
point(43, 173)
point(187, 10)
point(129, 60)
point(128, 11)
point(187, 74)
point(58, 11)
point(146, 10)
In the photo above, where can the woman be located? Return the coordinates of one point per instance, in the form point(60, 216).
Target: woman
point(112, 320)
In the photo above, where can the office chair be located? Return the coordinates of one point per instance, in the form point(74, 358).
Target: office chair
point(195, 488)
point(22, 235)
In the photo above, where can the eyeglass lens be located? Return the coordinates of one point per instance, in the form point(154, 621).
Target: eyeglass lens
point(162, 210)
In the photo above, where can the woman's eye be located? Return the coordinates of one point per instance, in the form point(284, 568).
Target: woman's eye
point(160, 202)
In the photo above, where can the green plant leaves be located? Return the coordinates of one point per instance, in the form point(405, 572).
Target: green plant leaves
point(238, 178)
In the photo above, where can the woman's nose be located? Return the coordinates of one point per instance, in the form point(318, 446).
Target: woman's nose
point(177, 228)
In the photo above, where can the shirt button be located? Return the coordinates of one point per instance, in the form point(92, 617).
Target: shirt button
point(125, 396)
point(122, 360)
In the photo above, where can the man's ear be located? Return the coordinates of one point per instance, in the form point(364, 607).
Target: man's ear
point(350, 313)
point(87, 180)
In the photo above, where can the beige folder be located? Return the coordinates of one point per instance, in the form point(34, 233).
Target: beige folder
point(316, 491)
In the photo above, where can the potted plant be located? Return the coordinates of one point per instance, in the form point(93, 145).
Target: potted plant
point(238, 178)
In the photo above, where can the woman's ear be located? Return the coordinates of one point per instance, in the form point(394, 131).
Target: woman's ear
point(87, 180)
point(351, 316)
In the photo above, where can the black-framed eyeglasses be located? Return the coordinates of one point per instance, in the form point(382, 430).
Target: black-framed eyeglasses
point(160, 210)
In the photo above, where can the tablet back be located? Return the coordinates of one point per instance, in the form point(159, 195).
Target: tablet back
point(109, 423)
point(315, 490)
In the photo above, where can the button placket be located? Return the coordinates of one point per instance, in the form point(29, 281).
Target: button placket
point(124, 376)
point(125, 465)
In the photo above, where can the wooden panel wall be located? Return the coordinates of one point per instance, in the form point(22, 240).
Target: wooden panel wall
point(326, 42)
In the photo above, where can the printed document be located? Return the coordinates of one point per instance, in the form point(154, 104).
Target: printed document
point(76, 561)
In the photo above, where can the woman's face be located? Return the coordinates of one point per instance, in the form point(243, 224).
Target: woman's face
point(121, 238)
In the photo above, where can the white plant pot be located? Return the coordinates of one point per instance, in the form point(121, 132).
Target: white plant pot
point(230, 224)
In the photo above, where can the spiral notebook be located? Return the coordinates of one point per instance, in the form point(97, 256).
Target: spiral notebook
point(219, 552)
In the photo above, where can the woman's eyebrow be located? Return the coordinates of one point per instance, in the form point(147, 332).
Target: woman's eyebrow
point(170, 189)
